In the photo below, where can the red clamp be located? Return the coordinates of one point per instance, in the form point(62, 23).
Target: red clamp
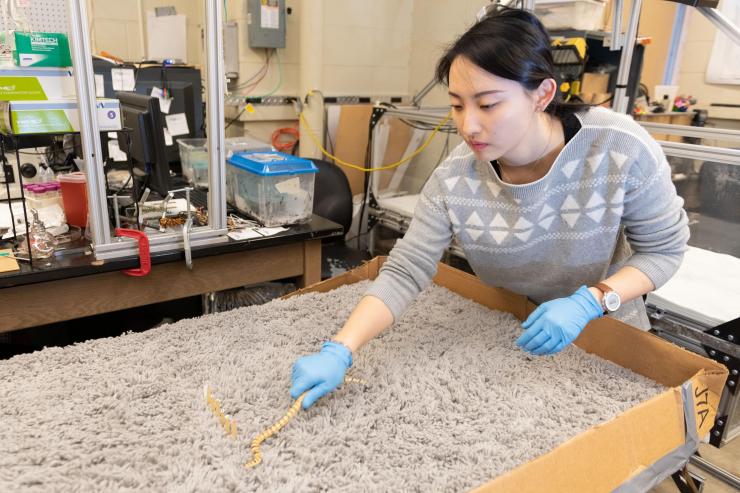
point(144, 257)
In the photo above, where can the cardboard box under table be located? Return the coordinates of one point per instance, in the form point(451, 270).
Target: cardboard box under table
point(632, 452)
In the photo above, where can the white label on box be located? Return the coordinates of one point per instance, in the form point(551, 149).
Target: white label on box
point(269, 17)
point(177, 124)
point(167, 137)
point(164, 103)
point(123, 79)
point(99, 86)
point(291, 186)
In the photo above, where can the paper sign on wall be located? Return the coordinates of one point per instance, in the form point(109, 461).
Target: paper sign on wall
point(167, 37)
point(99, 86)
point(167, 137)
point(269, 17)
point(123, 79)
point(177, 124)
point(115, 152)
point(164, 103)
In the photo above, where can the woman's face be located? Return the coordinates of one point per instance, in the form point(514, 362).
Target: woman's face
point(494, 115)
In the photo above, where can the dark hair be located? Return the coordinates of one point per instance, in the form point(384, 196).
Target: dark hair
point(513, 44)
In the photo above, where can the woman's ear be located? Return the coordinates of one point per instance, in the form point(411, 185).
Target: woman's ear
point(545, 93)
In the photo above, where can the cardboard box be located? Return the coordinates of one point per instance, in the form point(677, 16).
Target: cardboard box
point(593, 82)
point(597, 99)
point(54, 116)
point(586, 15)
point(35, 84)
point(39, 49)
point(636, 449)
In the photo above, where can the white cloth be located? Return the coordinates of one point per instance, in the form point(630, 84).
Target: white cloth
point(705, 288)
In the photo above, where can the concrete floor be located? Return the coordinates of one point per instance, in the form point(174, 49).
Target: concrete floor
point(727, 457)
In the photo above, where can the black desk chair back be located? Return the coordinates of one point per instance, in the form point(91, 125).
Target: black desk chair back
point(332, 199)
point(332, 196)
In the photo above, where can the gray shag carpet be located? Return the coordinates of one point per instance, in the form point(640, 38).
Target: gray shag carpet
point(453, 403)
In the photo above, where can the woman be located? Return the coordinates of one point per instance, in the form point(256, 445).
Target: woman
point(572, 206)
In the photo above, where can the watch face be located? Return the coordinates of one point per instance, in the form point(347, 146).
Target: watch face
point(612, 301)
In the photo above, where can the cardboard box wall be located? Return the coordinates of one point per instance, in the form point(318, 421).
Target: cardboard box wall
point(614, 453)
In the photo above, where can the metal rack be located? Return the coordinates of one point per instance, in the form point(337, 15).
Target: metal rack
point(19, 142)
point(107, 247)
point(377, 212)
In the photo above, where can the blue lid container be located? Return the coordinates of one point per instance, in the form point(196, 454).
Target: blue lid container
point(271, 163)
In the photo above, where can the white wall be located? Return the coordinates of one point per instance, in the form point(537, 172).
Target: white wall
point(367, 44)
point(697, 49)
point(116, 26)
point(366, 47)
point(437, 23)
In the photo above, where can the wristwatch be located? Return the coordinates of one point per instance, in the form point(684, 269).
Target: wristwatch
point(610, 301)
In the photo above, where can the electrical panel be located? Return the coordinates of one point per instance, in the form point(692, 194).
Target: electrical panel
point(266, 23)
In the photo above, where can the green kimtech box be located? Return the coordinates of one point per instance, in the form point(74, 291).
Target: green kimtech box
point(37, 49)
point(35, 84)
point(54, 116)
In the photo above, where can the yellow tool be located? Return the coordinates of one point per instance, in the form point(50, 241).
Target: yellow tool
point(569, 57)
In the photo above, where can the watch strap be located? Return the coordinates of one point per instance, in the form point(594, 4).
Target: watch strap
point(604, 288)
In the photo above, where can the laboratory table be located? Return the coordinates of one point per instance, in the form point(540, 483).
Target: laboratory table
point(76, 285)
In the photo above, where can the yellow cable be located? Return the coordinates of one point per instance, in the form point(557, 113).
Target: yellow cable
point(315, 140)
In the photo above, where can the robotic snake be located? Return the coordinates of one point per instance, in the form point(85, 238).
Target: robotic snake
point(229, 424)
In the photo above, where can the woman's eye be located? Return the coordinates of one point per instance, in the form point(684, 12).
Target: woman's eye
point(488, 106)
point(456, 107)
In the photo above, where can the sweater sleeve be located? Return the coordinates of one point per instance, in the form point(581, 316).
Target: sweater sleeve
point(654, 220)
point(412, 263)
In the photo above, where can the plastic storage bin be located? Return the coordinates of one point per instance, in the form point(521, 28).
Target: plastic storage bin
point(194, 156)
point(571, 14)
point(74, 197)
point(274, 188)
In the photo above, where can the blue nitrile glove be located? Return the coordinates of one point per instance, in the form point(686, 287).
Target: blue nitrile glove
point(320, 373)
point(557, 323)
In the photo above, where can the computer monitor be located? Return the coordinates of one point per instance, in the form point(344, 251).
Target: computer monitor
point(184, 86)
point(141, 114)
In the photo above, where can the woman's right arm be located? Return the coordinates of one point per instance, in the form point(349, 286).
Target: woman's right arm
point(368, 319)
point(409, 269)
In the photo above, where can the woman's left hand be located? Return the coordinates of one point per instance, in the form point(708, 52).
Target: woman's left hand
point(557, 323)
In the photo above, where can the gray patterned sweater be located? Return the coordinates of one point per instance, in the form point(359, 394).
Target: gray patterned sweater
point(608, 201)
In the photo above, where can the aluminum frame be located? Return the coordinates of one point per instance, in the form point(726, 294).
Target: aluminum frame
point(721, 22)
point(616, 40)
point(621, 98)
point(702, 152)
point(107, 247)
point(682, 149)
point(391, 219)
point(91, 147)
point(689, 131)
